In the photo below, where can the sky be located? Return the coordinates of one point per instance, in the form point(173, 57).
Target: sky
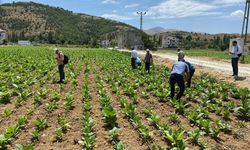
point(210, 16)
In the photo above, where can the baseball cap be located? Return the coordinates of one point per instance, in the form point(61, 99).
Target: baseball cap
point(181, 54)
point(147, 50)
point(55, 50)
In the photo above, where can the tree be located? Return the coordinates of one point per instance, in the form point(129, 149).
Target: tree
point(5, 41)
point(62, 41)
point(223, 47)
point(50, 37)
point(160, 40)
point(189, 38)
point(114, 43)
point(94, 42)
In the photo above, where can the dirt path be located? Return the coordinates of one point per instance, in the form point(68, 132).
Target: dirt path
point(222, 69)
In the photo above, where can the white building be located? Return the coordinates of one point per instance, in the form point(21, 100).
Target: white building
point(2, 36)
point(106, 43)
point(25, 43)
point(169, 42)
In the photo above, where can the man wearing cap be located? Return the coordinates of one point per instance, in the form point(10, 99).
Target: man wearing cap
point(180, 52)
point(133, 57)
point(60, 64)
point(148, 60)
point(178, 71)
point(235, 58)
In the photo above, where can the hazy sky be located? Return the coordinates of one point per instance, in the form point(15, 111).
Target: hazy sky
point(211, 16)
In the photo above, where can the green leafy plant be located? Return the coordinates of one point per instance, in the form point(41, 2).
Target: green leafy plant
point(176, 137)
point(195, 135)
point(145, 132)
point(59, 133)
point(244, 110)
point(215, 132)
point(55, 95)
point(123, 102)
point(135, 99)
point(226, 114)
point(110, 116)
point(5, 139)
point(194, 116)
point(173, 117)
point(63, 123)
point(159, 148)
point(51, 106)
point(30, 111)
point(21, 121)
point(180, 107)
point(89, 142)
point(241, 123)
point(22, 147)
point(7, 112)
point(12, 130)
point(120, 146)
point(205, 124)
point(38, 100)
point(5, 97)
point(35, 136)
point(114, 133)
point(40, 123)
point(144, 94)
point(154, 119)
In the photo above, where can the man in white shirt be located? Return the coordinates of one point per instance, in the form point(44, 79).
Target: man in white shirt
point(133, 57)
point(235, 58)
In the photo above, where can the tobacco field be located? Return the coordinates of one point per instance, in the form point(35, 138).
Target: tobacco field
point(105, 105)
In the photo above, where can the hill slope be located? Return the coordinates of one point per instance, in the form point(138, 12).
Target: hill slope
point(37, 20)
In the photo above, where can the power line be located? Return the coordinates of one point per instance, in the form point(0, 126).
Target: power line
point(193, 7)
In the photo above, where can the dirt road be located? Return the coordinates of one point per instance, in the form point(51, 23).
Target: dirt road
point(221, 69)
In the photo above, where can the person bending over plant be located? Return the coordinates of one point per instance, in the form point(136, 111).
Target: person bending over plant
point(178, 71)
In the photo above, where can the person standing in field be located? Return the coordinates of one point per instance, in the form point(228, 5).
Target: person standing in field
point(60, 64)
point(192, 70)
point(133, 57)
point(235, 58)
point(180, 52)
point(178, 71)
point(148, 60)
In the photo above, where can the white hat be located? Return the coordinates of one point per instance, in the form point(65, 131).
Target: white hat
point(55, 50)
point(147, 50)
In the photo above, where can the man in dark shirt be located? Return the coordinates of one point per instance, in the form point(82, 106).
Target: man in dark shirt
point(192, 70)
point(148, 60)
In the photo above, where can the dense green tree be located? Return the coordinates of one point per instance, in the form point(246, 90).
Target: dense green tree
point(114, 43)
point(5, 41)
point(50, 38)
point(160, 40)
point(94, 42)
point(189, 38)
point(62, 41)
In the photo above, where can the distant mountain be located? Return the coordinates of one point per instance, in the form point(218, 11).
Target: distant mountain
point(158, 30)
point(38, 22)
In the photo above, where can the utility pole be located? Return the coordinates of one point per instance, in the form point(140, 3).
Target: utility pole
point(141, 14)
point(245, 24)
